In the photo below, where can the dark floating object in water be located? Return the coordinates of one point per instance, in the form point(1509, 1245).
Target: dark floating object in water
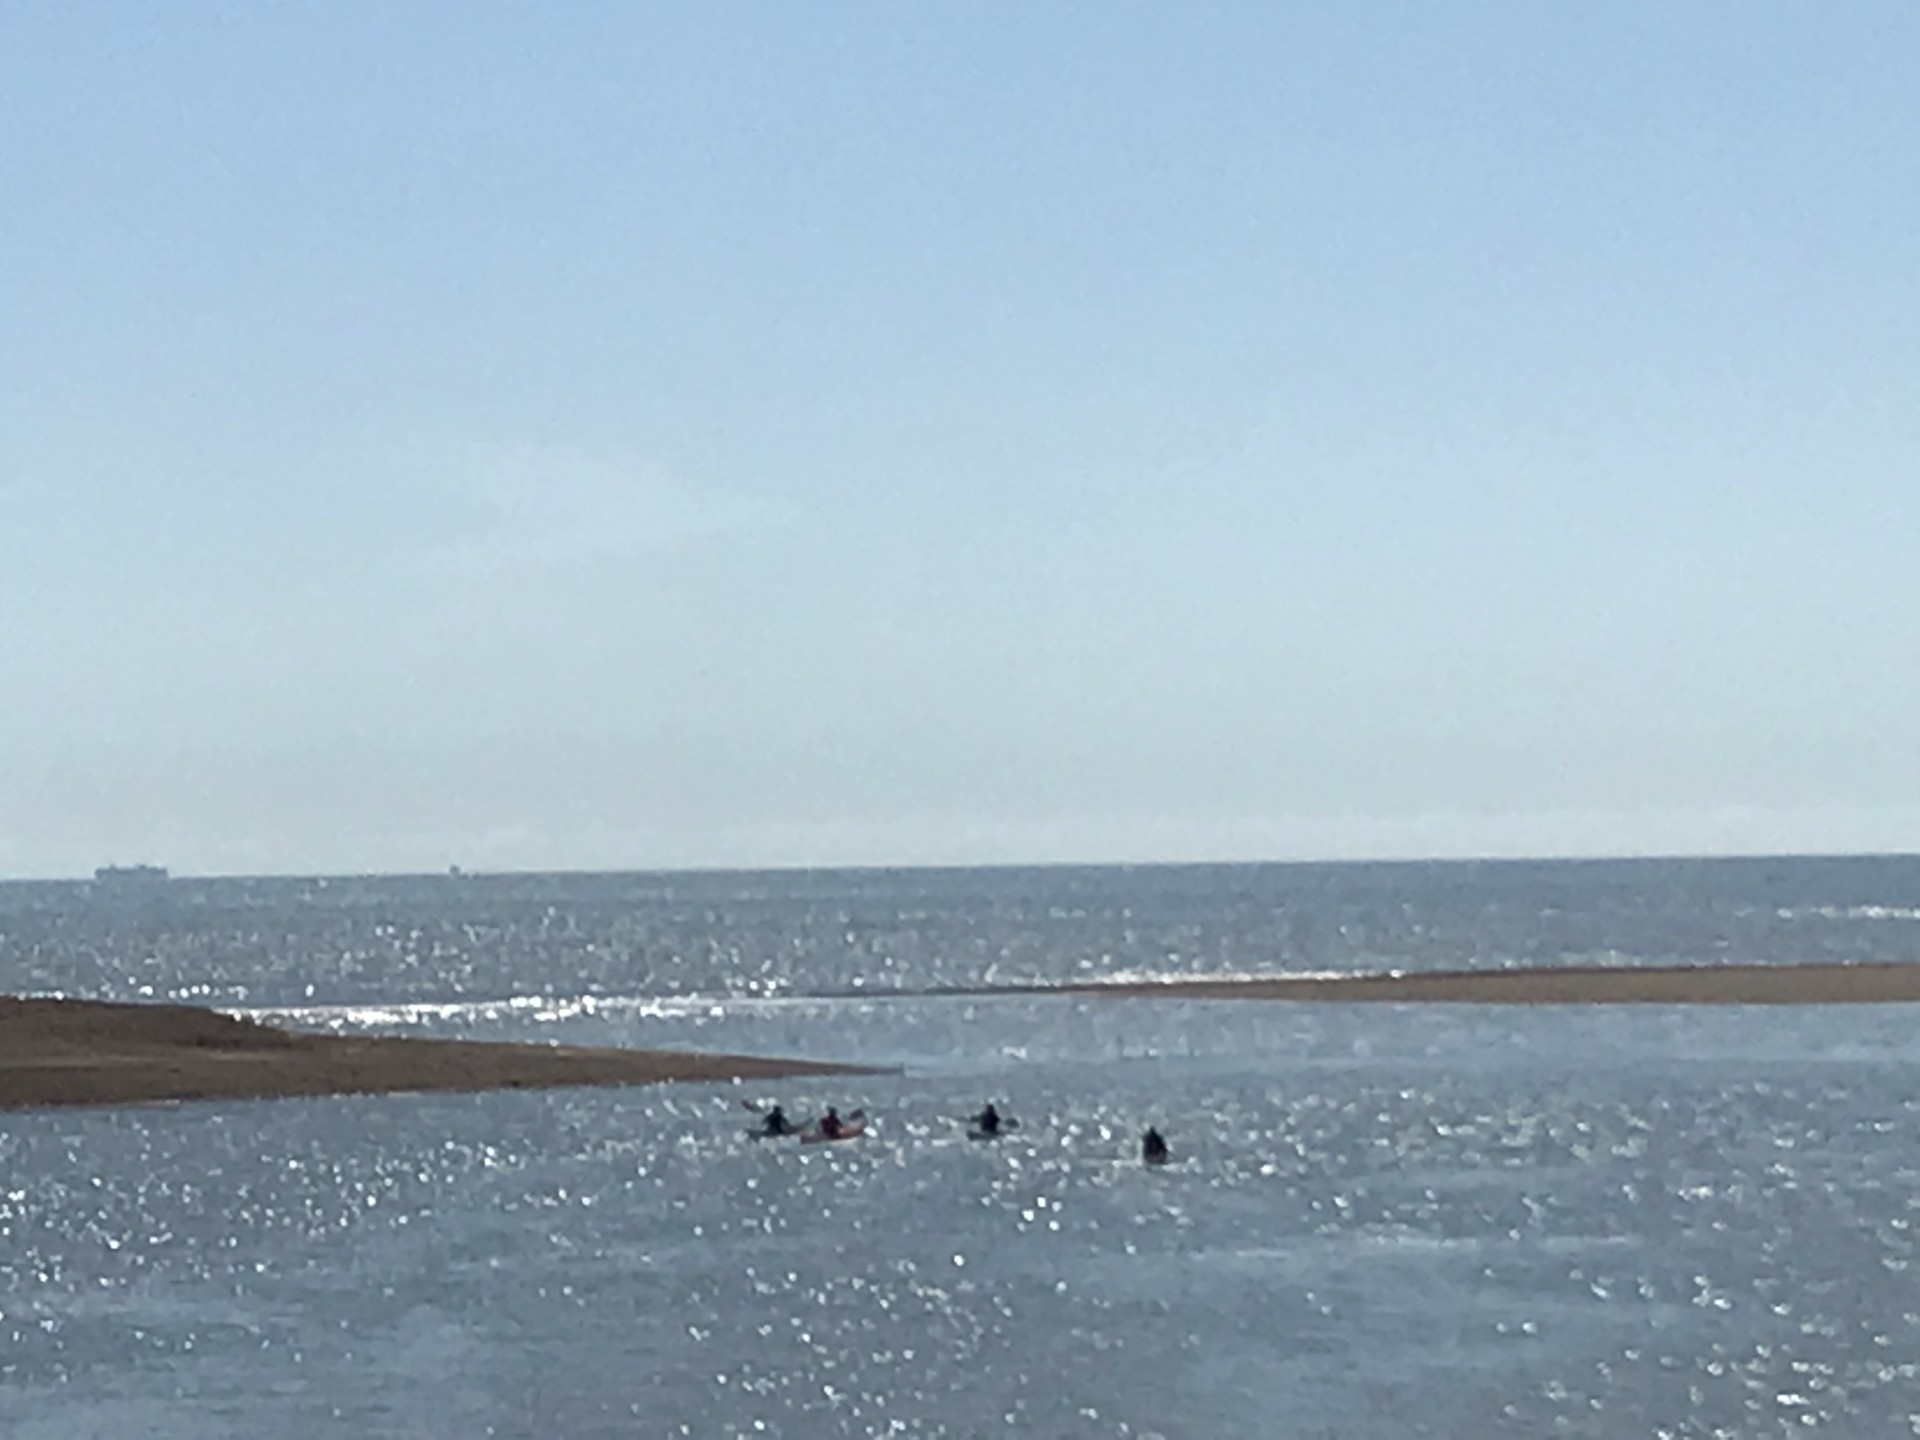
point(1153, 1147)
point(774, 1125)
point(990, 1124)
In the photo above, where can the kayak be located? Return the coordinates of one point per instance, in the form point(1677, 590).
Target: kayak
point(850, 1130)
point(852, 1127)
point(974, 1132)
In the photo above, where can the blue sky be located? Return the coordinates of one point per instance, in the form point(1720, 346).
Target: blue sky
point(613, 435)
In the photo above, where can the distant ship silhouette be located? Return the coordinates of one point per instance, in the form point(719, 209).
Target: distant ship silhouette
point(131, 874)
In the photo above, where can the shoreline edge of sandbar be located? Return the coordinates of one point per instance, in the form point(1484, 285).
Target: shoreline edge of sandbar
point(1876, 982)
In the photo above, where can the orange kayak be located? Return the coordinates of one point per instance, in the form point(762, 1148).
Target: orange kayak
point(849, 1130)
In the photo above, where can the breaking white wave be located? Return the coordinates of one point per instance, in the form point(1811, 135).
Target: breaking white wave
point(1849, 912)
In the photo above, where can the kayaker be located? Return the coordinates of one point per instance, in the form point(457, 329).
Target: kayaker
point(988, 1120)
point(1153, 1147)
point(831, 1125)
point(777, 1122)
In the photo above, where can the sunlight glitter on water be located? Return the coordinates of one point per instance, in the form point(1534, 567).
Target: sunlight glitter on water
point(1530, 1246)
point(1381, 1221)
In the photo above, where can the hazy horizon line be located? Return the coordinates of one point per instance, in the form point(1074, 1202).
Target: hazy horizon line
point(463, 872)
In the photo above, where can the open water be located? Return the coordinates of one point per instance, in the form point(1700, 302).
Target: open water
point(1382, 1220)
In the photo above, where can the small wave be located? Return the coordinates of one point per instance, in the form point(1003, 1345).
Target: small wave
point(539, 1009)
point(556, 1009)
point(1848, 912)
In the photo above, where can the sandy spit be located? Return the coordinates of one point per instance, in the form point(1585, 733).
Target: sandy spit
point(87, 1052)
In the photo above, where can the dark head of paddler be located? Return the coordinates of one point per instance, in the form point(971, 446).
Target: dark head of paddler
point(1153, 1147)
point(776, 1121)
point(989, 1119)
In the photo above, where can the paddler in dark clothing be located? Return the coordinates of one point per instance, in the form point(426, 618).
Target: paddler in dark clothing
point(1153, 1147)
point(831, 1124)
point(777, 1123)
point(987, 1121)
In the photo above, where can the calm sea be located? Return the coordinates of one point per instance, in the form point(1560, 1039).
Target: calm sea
point(1382, 1221)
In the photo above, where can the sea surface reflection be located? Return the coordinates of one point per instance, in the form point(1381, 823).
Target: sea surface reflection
point(1381, 1222)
